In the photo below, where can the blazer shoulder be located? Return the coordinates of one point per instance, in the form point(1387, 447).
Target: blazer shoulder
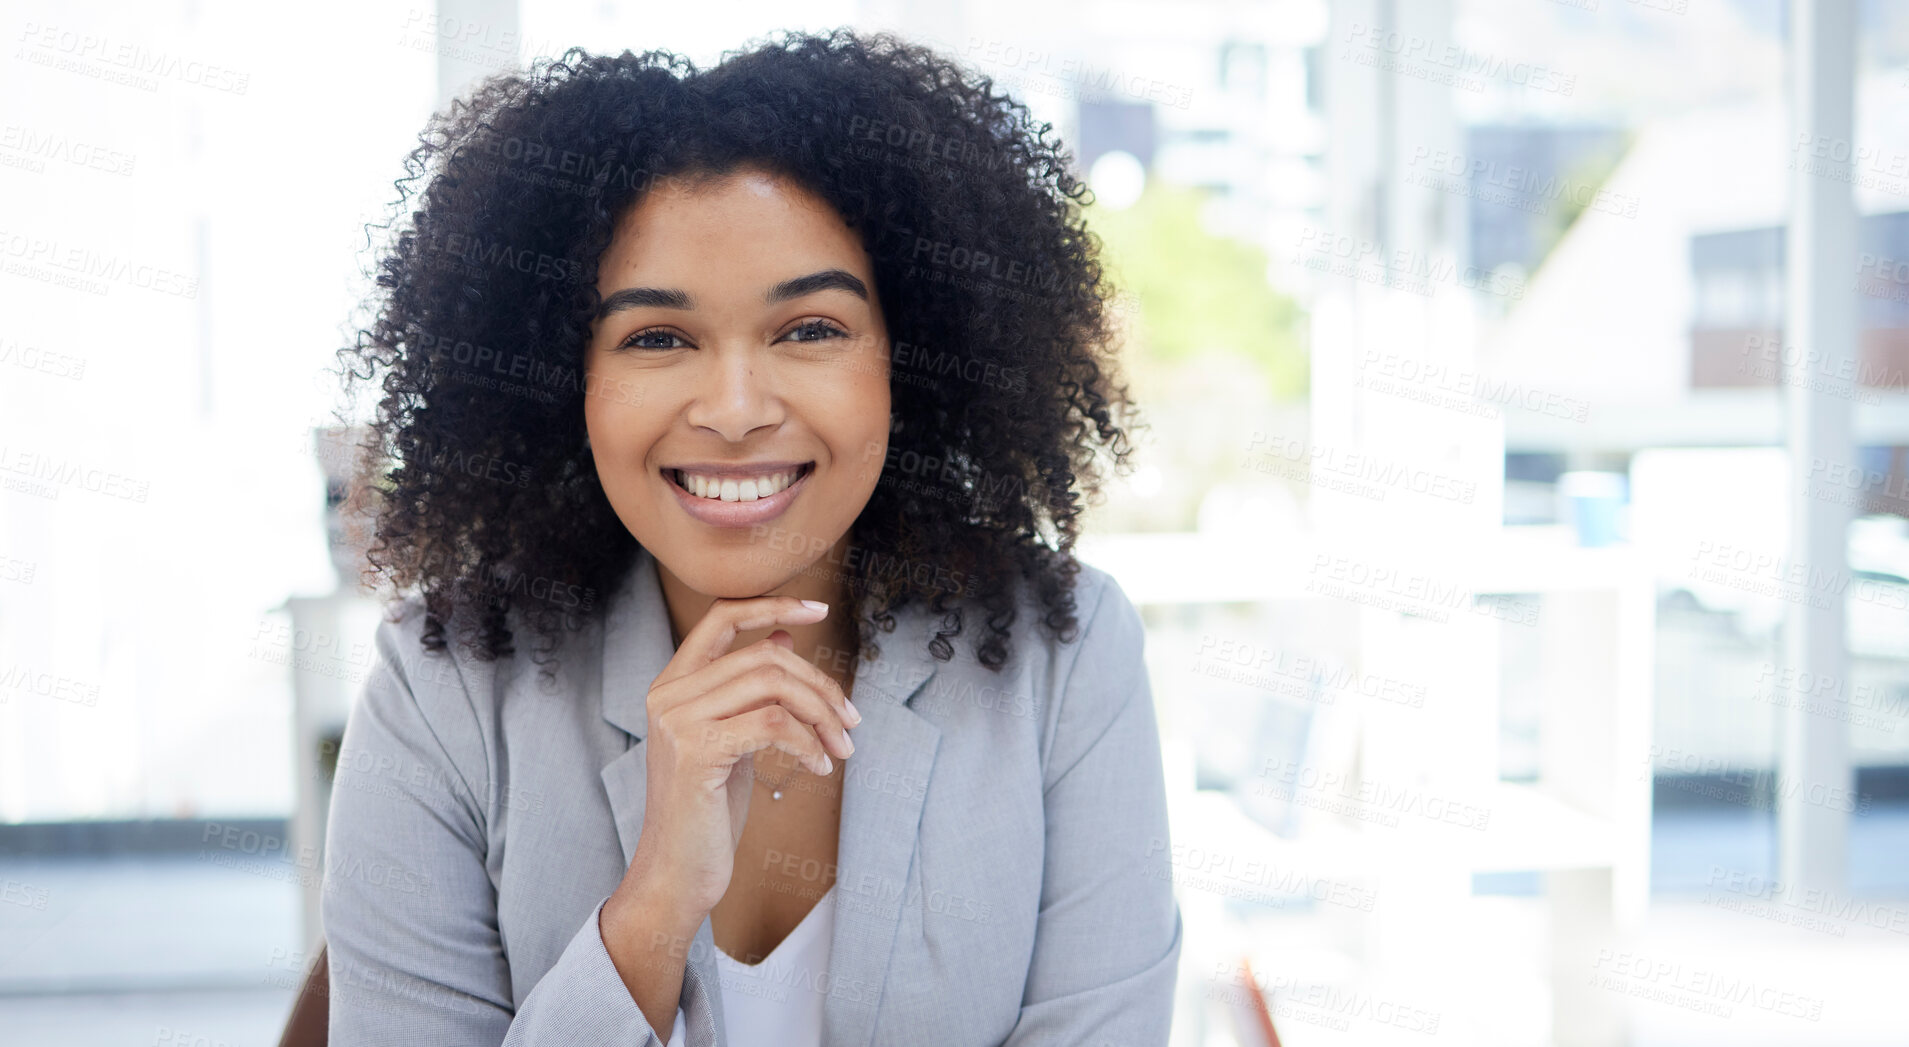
point(1105, 617)
point(400, 645)
point(1100, 607)
point(442, 690)
point(1098, 680)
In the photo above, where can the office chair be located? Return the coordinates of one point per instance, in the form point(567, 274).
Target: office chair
point(309, 1023)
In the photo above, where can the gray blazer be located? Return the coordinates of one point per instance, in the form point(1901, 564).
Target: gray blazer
point(1001, 875)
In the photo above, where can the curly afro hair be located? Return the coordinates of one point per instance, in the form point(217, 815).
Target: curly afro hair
point(485, 497)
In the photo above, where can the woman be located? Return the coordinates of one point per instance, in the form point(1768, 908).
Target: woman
point(699, 380)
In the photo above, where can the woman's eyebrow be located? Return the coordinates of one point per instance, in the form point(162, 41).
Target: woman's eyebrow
point(644, 298)
point(795, 287)
point(827, 279)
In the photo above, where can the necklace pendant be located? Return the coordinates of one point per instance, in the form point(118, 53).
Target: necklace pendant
point(776, 795)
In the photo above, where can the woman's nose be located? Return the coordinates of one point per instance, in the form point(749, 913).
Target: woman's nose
point(734, 395)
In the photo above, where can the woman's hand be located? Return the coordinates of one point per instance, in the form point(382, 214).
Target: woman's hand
point(709, 713)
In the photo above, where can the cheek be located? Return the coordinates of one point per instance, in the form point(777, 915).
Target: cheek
point(596, 420)
point(618, 442)
point(864, 411)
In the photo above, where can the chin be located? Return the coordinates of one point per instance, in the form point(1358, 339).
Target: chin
point(734, 575)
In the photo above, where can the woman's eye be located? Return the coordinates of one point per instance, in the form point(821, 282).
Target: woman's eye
point(658, 339)
point(645, 340)
point(820, 330)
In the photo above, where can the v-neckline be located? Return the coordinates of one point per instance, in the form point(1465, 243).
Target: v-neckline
point(799, 929)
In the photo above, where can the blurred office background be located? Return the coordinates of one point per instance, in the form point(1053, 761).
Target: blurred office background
point(1523, 530)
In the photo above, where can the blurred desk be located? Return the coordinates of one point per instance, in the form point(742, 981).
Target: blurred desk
point(1584, 822)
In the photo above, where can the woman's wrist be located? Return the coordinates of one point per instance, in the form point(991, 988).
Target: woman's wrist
point(648, 934)
point(653, 905)
point(650, 891)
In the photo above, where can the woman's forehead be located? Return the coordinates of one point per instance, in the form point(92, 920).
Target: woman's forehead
point(753, 223)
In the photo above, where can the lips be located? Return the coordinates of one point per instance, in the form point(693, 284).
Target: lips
point(721, 512)
point(740, 486)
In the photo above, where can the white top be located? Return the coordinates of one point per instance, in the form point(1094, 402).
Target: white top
point(778, 1001)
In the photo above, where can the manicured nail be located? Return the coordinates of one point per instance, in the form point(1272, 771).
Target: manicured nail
point(850, 742)
point(828, 765)
point(815, 605)
point(854, 714)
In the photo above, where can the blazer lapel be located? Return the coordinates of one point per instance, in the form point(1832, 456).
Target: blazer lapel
point(636, 648)
point(885, 784)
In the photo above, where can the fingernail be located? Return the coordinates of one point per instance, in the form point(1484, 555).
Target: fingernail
point(850, 742)
point(828, 765)
point(815, 605)
point(854, 714)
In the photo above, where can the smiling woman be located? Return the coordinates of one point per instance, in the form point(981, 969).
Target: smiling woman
point(731, 354)
point(794, 351)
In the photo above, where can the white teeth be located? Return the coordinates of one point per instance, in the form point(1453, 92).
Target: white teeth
point(730, 490)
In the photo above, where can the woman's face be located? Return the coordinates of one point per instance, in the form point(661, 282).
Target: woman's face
point(740, 348)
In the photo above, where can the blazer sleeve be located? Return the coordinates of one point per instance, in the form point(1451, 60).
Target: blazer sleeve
point(1107, 937)
point(409, 910)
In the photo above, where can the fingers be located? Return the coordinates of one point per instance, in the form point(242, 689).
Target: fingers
point(706, 682)
point(770, 652)
point(768, 673)
point(770, 727)
point(709, 639)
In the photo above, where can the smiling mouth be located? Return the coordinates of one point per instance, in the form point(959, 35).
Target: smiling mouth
point(737, 489)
